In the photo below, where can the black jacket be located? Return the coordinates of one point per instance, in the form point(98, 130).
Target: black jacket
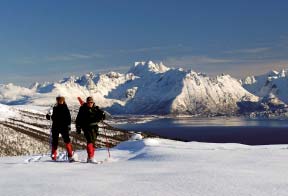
point(89, 117)
point(61, 116)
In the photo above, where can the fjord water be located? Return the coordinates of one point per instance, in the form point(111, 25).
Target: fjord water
point(216, 130)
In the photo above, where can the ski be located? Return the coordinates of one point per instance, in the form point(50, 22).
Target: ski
point(82, 161)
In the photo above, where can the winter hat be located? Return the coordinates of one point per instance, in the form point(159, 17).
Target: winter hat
point(89, 99)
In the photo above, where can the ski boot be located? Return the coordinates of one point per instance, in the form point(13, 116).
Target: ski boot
point(91, 160)
point(54, 153)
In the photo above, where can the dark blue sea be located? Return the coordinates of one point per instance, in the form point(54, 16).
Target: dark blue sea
point(215, 130)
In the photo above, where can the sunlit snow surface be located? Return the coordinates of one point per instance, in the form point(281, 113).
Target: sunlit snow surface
point(6, 112)
point(154, 167)
point(147, 88)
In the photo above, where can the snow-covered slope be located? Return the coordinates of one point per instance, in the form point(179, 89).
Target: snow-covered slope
point(6, 112)
point(147, 88)
point(154, 167)
point(24, 130)
point(272, 85)
point(202, 94)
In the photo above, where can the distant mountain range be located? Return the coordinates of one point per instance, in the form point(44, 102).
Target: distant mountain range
point(151, 88)
point(273, 84)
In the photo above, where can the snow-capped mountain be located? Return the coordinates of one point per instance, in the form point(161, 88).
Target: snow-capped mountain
point(147, 88)
point(272, 85)
point(271, 88)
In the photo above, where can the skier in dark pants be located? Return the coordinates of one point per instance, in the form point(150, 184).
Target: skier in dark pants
point(88, 117)
point(61, 124)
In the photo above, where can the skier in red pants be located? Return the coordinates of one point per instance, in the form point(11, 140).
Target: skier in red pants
point(88, 117)
point(61, 124)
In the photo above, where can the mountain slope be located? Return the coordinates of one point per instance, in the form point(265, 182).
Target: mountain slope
point(202, 94)
point(147, 88)
point(24, 131)
point(270, 85)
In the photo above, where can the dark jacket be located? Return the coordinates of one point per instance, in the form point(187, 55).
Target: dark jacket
point(61, 116)
point(89, 117)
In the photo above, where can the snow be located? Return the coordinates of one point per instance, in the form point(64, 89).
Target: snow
point(272, 83)
point(136, 136)
point(202, 94)
point(10, 93)
point(154, 167)
point(143, 68)
point(6, 112)
point(147, 88)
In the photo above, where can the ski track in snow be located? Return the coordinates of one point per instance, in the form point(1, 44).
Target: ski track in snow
point(154, 167)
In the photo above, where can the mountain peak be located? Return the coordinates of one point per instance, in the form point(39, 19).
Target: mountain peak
point(141, 68)
point(70, 79)
point(283, 73)
point(34, 86)
point(272, 73)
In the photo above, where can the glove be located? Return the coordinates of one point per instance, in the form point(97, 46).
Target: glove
point(69, 127)
point(48, 117)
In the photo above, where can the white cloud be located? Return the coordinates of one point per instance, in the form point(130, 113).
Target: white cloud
point(71, 57)
point(195, 60)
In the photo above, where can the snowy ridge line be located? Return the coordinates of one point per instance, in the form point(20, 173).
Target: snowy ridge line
point(31, 125)
point(147, 88)
point(35, 119)
point(27, 125)
point(14, 142)
point(39, 117)
point(33, 110)
point(44, 137)
point(40, 136)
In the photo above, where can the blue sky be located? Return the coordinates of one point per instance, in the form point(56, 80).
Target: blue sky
point(49, 40)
